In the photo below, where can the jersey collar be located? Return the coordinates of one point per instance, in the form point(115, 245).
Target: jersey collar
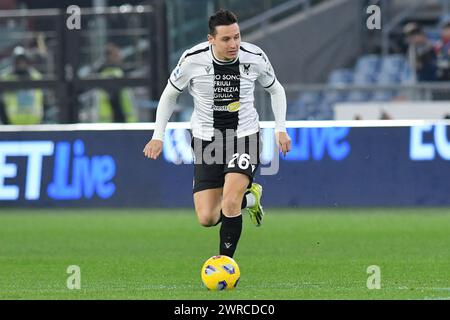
point(220, 61)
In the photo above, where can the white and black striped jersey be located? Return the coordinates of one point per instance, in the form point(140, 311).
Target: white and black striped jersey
point(223, 91)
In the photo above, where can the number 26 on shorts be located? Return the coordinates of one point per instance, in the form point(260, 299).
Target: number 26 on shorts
point(243, 161)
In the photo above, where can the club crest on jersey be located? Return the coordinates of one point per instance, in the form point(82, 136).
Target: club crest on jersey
point(246, 69)
point(207, 69)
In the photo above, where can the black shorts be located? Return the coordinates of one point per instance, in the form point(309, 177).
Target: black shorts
point(214, 159)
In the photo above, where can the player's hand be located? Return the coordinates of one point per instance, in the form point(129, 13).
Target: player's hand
point(283, 142)
point(153, 149)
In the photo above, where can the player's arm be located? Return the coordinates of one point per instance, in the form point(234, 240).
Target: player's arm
point(279, 106)
point(165, 109)
point(178, 80)
point(278, 100)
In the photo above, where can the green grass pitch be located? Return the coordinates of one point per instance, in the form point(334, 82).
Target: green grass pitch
point(157, 254)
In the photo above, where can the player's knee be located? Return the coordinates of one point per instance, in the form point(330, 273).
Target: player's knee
point(205, 217)
point(231, 204)
point(206, 221)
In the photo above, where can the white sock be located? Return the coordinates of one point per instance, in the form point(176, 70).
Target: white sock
point(251, 200)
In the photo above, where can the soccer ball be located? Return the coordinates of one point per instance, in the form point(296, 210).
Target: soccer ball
point(220, 273)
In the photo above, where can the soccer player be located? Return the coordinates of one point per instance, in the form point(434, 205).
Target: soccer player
point(221, 75)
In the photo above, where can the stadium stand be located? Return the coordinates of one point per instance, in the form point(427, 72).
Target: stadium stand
point(368, 70)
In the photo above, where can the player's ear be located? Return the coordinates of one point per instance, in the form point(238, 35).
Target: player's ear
point(210, 39)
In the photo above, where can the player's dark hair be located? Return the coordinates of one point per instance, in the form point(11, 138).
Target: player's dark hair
point(221, 18)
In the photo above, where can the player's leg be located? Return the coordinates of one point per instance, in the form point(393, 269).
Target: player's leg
point(234, 189)
point(247, 162)
point(207, 206)
point(207, 187)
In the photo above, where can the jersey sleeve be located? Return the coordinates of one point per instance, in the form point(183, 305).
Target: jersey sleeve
point(266, 75)
point(180, 76)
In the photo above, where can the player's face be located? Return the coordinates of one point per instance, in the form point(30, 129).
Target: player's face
point(226, 41)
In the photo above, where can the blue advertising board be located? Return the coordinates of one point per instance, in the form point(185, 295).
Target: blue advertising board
point(327, 166)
